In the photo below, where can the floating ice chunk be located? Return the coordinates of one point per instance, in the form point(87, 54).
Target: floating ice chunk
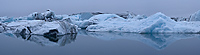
point(159, 26)
point(36, 16)
point(157, 23)
point(40, 27)
point(105, 17)
point(81, 16)
point(187, 27)
point(83, 24)
point(7, 19)
point(130, 16)
point(195, 16)
point(80, 20)
point(139, 17)
point(60, 17)
point(49, 14)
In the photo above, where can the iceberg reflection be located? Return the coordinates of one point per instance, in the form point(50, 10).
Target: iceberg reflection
point(157, 41)
point(46, 40)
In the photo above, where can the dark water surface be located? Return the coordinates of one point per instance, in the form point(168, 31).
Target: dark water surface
point(101, 43)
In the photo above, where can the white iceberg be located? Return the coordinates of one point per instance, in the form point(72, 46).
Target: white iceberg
point(40, 27)
point(48, 16)
point(7, 19)
point(96, 19)
point(140, 17)
point(36, 16)
point(157, 23)
point(82, 19)
point(195, 16)
point(130, 15)
point(127, 15)
point(105, 17)
point(83, 24)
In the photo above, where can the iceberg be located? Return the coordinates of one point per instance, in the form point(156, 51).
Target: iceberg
point(48, 16)
point(36, 16)
point(105, 17)
point(157, 23)
point(82, 19)
point(83, 16)
point(195, 16)
point(83, 24)
point(127, 15)
point(7, 19)
point(140, 17)
point(137, 17)
point(40, 27)
point(130, 15)
point(51, 24)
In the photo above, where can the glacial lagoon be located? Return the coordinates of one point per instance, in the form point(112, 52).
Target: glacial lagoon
point(100, 43)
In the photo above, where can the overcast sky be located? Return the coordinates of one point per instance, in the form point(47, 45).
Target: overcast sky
point(173, 8)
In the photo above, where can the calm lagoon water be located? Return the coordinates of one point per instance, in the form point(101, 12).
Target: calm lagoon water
point(101, 43)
